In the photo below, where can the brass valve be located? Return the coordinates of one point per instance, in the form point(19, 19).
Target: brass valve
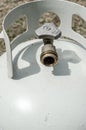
point(48, 32)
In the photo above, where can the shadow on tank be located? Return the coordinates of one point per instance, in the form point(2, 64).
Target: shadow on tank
point(28, 55)
point(65, 57)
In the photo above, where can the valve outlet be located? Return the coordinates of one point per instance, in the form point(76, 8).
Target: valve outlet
point(49, 56)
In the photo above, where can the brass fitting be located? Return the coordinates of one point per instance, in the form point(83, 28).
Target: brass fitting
point(49, 56)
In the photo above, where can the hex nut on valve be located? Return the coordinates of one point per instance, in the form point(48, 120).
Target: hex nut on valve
point(48, 32)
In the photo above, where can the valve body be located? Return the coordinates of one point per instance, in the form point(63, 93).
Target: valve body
point(48, 32)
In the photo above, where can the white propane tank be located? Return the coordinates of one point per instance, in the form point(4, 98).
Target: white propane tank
point(34, 96)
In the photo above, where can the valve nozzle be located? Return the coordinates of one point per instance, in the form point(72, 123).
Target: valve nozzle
point(49, 56)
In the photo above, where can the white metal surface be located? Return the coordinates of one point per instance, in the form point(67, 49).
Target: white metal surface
point(39, 97)
point(44, 98)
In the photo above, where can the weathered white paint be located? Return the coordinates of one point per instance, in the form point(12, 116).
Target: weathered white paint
point(39, 97)
point(44, 98)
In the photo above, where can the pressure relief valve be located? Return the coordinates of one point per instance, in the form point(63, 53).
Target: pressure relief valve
point(48, 32)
